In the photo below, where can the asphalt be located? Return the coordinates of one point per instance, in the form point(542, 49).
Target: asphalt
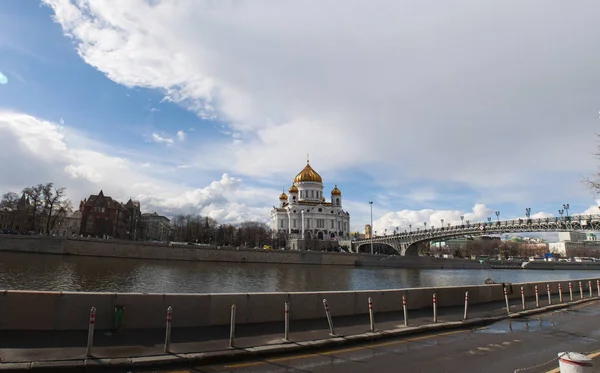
point(65, 351)
point(527, 344)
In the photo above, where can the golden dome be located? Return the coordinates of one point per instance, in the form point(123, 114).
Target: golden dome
point(293, 189)
point(308, 174)
point(323, 199)
point(283, 196)
point(336, 191)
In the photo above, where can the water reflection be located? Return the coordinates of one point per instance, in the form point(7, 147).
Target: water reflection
point(69, 273)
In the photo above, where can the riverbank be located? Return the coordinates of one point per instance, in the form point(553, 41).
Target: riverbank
point(142, 250)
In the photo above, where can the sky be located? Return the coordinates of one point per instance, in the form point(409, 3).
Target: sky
point(432, 109)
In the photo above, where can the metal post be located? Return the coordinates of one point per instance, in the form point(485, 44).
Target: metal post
point(434, 308)
point(466, 304)
point(506, 299)
point(560, 298)
point(90, 340)
point(328, 314)
point(591, 290)
point(523, 297)
point(286, 332)
point(371, 228)
point(549, 294)
point(232, 327)
point(571, 291)
point(168, 329)
point(405, 310)
point(537, 297)
point(598, 286)
point(580, 289)
point(371, 319)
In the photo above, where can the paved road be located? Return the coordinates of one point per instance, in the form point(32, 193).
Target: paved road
point(501, 347)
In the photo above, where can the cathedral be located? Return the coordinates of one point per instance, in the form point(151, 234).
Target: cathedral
point(305, 218)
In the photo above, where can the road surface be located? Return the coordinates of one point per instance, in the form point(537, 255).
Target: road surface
point(522, 345)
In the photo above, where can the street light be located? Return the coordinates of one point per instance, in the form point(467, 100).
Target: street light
point(498, 215)
point(560, 212)
point(425, 225)
point(442, 220)
point(462, 220)
point(566, 207)
point(489, 219)
point(371, 232)
point(410, 227)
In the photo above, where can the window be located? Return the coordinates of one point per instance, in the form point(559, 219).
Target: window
point(308, 223)
point(295, 222)
point(281, 223)
point(339, 225)
point(320, 223)
point(312, 194)
point(332, 224)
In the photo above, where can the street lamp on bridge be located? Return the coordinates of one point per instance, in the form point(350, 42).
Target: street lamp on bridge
point(566, 207)
point(498, 215)
point(462, 219)
point(560, 212)
point(528, 212)
point(371, 228)
point(489, 220)
point(425, 225)
point(467, 223)
point(442, 220)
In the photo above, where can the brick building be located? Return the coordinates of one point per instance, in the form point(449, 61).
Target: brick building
point(103, 217)
point(17, 219)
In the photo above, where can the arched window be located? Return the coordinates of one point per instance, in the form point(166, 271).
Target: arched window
point(337, 201)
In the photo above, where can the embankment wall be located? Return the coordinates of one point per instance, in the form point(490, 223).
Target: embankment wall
point(32, 310)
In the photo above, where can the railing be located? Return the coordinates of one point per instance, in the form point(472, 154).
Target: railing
point(567, 223)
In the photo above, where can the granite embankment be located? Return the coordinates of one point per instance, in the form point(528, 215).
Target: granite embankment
point(139, 250)
point(29, 310)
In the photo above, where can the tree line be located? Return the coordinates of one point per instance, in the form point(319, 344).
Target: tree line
point(46, 205)
point(202, 229)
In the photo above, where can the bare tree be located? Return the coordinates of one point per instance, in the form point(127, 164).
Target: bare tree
point(56, 205)
point(35, 194)
point(9, 202)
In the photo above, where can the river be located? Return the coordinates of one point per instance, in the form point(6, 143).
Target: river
point(77, 273)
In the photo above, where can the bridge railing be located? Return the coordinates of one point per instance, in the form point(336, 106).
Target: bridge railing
point(572, 222)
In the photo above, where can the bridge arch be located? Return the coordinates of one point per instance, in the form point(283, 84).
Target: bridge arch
point(378, 248)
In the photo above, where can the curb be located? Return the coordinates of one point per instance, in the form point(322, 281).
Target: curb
point(243, 354)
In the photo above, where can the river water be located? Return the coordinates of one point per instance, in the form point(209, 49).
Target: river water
point(71, 273)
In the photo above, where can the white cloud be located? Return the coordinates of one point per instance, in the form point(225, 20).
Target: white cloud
point(181, 135)
point(377, 82)
point(44, 151)
point(161, 140)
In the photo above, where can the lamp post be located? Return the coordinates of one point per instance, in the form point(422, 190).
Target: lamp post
point(566, 207)
point(489, 220)
point(371, 233)
point(498, 215)
point(442, 220)
point(410, 227)
point(560, 212)
point(425, 225)
point(467, 223)
point(462, 220)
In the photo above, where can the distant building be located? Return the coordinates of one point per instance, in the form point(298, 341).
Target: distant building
point(572, 236)
point(69, 225)
point(571, 249)
point(155, 227)
point(19, 219)
point(103, 217)
point(368, 231)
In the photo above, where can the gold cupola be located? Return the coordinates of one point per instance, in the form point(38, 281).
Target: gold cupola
point(308, 174)
point(336, 191)
point(293, 189)
point(283, 196)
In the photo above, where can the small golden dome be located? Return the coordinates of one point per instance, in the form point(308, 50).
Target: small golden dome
point(322, 199)
point(283, 196)
point(308, 174)
point(293, 189)
point(336, 191)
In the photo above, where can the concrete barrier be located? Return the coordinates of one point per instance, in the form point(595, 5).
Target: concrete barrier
point(33, 310)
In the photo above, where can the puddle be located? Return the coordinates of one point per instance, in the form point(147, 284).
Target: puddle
point(509, 326)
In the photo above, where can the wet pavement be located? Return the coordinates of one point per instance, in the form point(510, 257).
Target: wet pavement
point(528, 344)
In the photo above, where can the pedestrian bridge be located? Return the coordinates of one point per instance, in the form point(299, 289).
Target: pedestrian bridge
point(408, 243)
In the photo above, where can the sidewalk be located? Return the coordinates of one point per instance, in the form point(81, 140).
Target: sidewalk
point(147, 346)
